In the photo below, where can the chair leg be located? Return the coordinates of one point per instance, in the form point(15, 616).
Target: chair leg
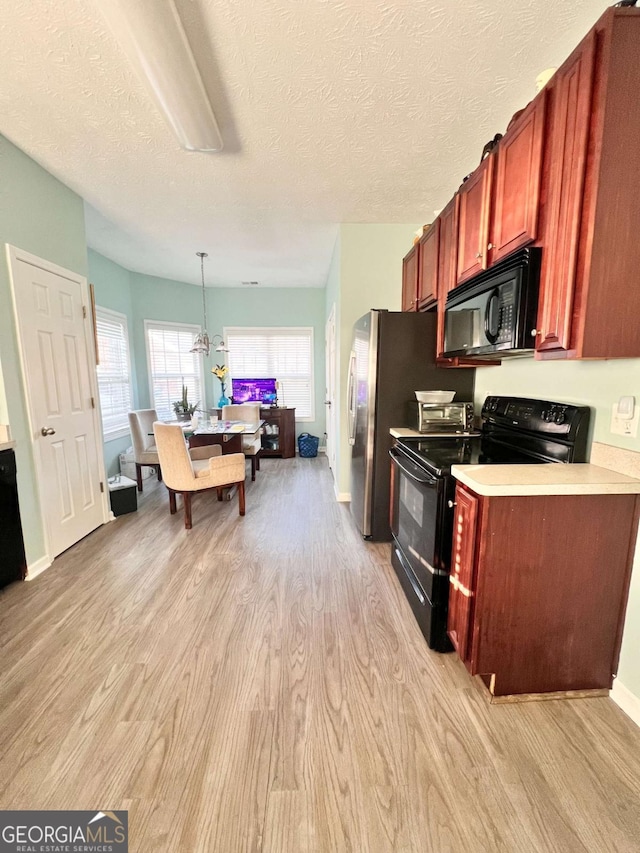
point(139, 476)
point(172, 502)
point(159, 474)
point(186, 499)
point(220, 492)
point(241, 496)
point(253, 468)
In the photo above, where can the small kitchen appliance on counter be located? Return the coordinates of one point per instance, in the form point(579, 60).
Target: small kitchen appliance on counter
point(440, 417)
point(514, 431)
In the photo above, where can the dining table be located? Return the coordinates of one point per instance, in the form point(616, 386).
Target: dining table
point(226, 433)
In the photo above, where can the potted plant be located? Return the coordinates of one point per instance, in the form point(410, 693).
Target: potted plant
point(183, 408)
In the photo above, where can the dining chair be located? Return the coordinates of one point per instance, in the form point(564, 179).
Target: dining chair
point(144, 449)
point(251, 444)
point(201, 469)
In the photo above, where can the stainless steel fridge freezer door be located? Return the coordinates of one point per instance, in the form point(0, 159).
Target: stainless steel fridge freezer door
point(364, 383)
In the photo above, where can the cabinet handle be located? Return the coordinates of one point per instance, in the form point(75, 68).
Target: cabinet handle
point(536, 333)
point(478, 255)
point(451, 504)
point(490, 246)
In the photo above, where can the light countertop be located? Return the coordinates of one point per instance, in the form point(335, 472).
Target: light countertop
point(404, 432)
point(7, 445)
point(553, 478)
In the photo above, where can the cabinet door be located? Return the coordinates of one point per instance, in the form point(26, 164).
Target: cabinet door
point(462, 572)
point(568, 160)
point(516, 195)
point(446, 266)
point(410, 281)
point(473, 220)
point(428, 266)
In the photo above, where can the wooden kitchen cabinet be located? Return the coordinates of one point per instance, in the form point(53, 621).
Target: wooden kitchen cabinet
point(589, 295)
point(410, 280)
point(516, 189)
point(474, 199)
point(447, 259)
point(428, 251)
point(537, 600)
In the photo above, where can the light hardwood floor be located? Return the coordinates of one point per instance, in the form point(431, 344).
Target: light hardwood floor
point(259, 684)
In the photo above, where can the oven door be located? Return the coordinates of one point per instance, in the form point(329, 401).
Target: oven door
point(419, 518)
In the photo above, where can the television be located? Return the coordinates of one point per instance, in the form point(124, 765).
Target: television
point(254, 391)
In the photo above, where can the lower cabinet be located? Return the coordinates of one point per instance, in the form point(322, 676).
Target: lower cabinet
point(278, 432)
point(538, 589)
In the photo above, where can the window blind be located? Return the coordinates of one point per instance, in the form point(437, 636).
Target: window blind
point(171, 365)
point(114, 371)
point(283, 353)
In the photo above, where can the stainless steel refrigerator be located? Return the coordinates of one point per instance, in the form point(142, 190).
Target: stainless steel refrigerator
point(392, 356)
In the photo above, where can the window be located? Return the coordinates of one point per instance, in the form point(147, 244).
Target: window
point(286, 353)
point(114, 372)
point(171, 364)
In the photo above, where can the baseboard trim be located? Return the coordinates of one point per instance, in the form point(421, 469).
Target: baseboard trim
point(625, 699)
point(38, 567)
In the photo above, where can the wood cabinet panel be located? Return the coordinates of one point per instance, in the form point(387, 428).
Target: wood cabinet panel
point(461, 579)
point(279, 432)
point(516, 194)
point(428, 251)
point(410, 280)
point(474, 197)
point(573, 88)
point(447, 257)
point(538, 603)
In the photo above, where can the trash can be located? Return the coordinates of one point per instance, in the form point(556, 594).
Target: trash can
point(122, 495)
point(308, 444)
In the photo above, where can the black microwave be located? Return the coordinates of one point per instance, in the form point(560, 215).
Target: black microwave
point(494, 314)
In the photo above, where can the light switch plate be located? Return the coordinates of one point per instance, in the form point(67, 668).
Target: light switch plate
point(625, 426)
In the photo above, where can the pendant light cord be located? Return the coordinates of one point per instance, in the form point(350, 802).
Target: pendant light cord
point(203, 255)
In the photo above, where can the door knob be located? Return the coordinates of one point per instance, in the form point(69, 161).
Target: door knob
point(48, 431)
point(327, 402)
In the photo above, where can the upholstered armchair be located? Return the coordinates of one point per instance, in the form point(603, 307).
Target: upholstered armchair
point(205, 468)
point(144, 447)
point(251, 444)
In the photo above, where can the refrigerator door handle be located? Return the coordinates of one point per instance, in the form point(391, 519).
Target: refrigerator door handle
point(352, 408)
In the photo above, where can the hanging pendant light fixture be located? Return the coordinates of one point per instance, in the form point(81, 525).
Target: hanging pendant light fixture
point(201, 343)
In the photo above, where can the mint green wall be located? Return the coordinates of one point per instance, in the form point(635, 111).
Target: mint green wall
point(370, 277)
point(594, 383)
point(40, 215)
point(276, 306)
point(162, 299)
point(113, 290)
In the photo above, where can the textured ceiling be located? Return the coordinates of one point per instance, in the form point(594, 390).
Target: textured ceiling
point(331, 111)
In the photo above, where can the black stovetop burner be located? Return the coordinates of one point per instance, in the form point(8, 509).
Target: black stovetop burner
point(515, 431)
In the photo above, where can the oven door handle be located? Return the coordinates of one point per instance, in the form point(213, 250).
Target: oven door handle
point(402, 462)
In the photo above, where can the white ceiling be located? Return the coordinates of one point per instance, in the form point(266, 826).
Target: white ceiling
point(331, 111)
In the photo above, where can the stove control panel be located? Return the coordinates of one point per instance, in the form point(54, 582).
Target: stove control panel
point(562, 420)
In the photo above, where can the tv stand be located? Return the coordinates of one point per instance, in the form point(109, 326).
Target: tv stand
point(278, 432)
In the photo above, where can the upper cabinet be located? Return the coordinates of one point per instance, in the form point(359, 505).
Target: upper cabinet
point(516, 189)
point(565, 178)
point(474, 199)
point(499, 203)
point(428, 266)
point(410, 280)
point(590, 297)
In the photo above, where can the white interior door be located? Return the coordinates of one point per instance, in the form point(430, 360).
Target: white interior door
point(330, 395)
point(51, 312)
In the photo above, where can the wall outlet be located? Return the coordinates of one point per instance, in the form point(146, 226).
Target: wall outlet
point(625, 426)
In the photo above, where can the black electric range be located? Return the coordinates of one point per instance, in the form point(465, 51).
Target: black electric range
point(515, 430)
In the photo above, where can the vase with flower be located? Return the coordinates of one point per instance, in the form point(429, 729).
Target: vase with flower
point(221, 371)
